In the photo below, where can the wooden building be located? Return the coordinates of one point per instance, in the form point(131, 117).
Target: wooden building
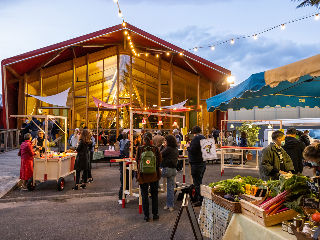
point(102, 64)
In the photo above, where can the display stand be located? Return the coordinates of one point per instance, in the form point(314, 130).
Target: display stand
point(192, 219)
point(54, 167)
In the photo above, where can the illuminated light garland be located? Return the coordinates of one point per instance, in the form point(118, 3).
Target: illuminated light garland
point(255, 36)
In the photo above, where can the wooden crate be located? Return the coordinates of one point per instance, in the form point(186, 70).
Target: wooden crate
point(258, 215)
point(217, 198)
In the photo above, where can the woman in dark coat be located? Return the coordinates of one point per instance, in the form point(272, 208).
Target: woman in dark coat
point(83, 157)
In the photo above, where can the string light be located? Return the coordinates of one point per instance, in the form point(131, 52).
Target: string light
point(125, 32)
point(124, 24)
point(255, 37)
point(283, 26)
point(115, 1)
point(232, 41)
point(120, 14)
point(213, 48)
point(181, 53)
point(317, 17)
point(147, 54)
point(168, 53)
point(129, 37)
point(157, 55)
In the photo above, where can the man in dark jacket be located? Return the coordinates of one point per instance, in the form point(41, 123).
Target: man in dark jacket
point(198, 166)
point(294, 148)
point(275, 159)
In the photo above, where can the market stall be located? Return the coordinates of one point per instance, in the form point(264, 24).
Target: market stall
point(51, 165)
point(249, 208)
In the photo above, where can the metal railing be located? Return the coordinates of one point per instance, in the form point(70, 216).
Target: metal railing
point(9, 139)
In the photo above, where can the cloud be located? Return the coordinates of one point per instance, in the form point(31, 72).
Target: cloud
point(246, 56)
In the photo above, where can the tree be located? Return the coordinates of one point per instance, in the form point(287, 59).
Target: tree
point(306, 3)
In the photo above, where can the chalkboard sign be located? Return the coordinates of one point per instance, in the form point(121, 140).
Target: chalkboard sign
point(311, 203)
point(192, 219)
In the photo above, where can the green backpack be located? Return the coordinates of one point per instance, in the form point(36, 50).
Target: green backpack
point(148, 163)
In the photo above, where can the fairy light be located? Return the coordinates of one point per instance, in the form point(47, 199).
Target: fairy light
point(255, 37)
point(283, 26)
point(212, 48)
point(147, 54)
point(232, 41)
point(128, 37)
point(124, 24)
point(181, 53)
point(317, 17)
point(125, 32)
point(120, 14)
point(168, 53)
point(157, 55)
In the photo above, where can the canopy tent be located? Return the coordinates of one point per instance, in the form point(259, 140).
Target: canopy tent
point(291, 85)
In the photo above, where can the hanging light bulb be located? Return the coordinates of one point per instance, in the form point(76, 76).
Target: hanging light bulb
point(147, 54)
point(160, 123)
point(195, 49)
point(255, 37)
point(181, 53)
point(124, 24)
point(157, 55)
point(126, 32)
point(120, 14)
point(232, 126)
point(232, 41)
point(144, 121)
point(317, 17)
point(128, 37)
point(168, 53)
point(283, 27)
point(213, 48)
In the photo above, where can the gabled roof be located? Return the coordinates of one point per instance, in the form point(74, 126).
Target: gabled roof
point(66, 50)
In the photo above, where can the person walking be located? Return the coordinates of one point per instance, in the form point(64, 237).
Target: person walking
point(83, 158)
point(26, 152)
point(170, 155)
point(198, 166)
point(148, 163)
point(294, 147)
point(275, 158)
point(124, 153)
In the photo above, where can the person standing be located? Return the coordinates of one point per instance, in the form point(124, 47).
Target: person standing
point(83, 158)
point(275, 158)
point(215, 134)
point(88, 175)
point(170, 156)
point(158, 139)
point(124, 153)
point(75, 138)
point(39, 142)
point(148, 163)
point(26, 152)
point(198, 165)
point(294, 148)
point(34, 127)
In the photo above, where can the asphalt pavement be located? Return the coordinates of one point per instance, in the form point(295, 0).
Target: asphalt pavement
point(92, 213)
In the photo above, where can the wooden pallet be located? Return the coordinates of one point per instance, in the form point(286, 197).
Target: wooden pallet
point(258, 215)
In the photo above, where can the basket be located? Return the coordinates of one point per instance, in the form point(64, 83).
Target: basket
point(217, 198)
point(258, 215)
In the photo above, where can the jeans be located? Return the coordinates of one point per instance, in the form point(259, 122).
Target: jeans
point(197, 172)
point(154, 196)
point(121, 179)
point(169, 174)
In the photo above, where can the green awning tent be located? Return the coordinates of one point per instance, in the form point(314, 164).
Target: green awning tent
point(302, 89)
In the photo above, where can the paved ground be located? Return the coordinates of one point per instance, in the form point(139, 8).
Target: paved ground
point(92, 213)
point(9, 171)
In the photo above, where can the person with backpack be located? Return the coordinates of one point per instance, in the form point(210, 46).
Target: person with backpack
point(124, 153)
point(170, 156)
point(198, 165)
point(148, 163)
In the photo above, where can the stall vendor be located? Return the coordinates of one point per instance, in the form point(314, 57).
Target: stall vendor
point(275, 159)
point(26, 152)
point(38, 142)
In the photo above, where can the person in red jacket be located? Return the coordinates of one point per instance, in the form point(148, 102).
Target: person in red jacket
point(26, 152)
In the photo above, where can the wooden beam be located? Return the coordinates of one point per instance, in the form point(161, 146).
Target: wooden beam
point(14, 73)
point(87, 88)
point(145, 85)
point(21, 101)
point(159, 82)
point(171, 88)
point(118, 92)
point(74, 78)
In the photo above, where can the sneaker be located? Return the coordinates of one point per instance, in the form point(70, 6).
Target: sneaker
point(147, 219)
point(166, 208)
point(76, 187)
point(155, 217)
point(83, 186)
point(120, 202)
point(90, 180)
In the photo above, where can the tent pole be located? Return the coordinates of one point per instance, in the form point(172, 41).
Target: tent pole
point(171, 89)
point(65, 134)
point(159, 86)
point(73, 94)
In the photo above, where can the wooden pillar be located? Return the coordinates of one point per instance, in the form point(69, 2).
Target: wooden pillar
point(210, 113)
point(87, 89)
point(73, 94)
point(159, 86)
point(21, 101)
point(198, 98)
point(41, 86)
point(5, 88)
point(171, 89)
point(26, 79)
point(118, 91)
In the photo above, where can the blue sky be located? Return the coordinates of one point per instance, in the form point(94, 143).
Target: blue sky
point(30, 24)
